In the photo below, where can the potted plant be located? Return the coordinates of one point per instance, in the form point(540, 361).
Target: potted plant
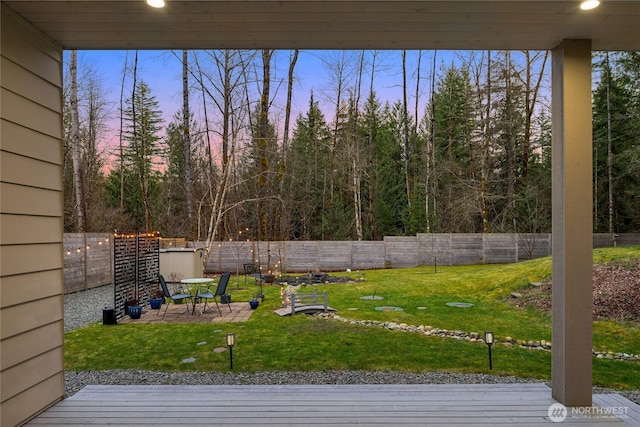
point(269, 278)
point(157, 298)
point(135, 311)
point(253, 303)
point(132, 305)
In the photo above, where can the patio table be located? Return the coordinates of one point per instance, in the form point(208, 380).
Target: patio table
point(198, 281)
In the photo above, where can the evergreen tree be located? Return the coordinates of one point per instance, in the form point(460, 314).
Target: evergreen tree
point(615, 142)
point(453, 124)
point(390, 204)
point(308, 161)
point(140, 159)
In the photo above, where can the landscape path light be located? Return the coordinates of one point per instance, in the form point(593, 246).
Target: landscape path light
point(231, 341)
point(488, 339)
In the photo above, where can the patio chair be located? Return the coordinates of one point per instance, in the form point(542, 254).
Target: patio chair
point(177, 297)
point(252, 270)
point(220, 290)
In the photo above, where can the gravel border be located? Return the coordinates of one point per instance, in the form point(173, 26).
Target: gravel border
point(84, 308)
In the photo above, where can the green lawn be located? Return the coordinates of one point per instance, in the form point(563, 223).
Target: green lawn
point(268, 342)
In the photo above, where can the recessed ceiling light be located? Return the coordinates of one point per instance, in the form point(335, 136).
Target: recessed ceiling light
point(156, 3)
point(589, 4)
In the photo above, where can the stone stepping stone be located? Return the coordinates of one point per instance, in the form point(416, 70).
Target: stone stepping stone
point(219, 350)
point(459, 304)
point(202, 343)
point(389, 308)
point(189, 360)
point(352, 308)
point(372, 297)
point(421, 308)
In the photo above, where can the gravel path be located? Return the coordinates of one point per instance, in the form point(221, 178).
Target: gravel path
point(84, 308)
point(87, 310)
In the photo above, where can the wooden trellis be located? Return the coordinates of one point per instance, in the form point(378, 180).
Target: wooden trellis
point(136, 264)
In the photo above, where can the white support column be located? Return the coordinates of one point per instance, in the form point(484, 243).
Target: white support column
point(571, 373)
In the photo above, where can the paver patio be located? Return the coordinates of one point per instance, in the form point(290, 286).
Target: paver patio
point(176, 313)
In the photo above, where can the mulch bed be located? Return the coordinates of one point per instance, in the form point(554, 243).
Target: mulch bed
point(616, 292)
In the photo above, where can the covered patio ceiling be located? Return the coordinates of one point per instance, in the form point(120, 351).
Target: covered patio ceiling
point(333, 24)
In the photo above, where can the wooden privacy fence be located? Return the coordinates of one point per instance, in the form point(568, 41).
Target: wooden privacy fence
point(392, 252)
point(88, 257)
point(88, 260)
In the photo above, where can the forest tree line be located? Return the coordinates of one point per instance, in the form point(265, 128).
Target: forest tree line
point(466, 149)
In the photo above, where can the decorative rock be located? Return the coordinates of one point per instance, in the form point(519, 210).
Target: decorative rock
point(470, 337)
point(516, 295)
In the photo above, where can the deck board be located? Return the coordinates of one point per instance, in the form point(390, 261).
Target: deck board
point(320, 405)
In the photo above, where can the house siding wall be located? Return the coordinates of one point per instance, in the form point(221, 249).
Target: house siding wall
point(31, 208)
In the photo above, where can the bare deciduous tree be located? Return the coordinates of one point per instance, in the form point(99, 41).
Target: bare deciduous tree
point(75, 143)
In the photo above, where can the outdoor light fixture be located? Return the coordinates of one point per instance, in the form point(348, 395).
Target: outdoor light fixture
point(156, 3)
point(231, 341)
point(589, 4)
point(488, 339)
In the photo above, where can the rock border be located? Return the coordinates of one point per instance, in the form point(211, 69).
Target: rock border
point(541, 345)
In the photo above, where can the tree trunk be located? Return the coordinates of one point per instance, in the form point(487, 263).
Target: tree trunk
point(609, 143)
point(139, 149)
point(287, 117)
point(372, 218)
point(531, 97)
point(120, 136)
point(283, 230)
point(186, 141)
point(405, 131)
point(356, 167)
point(75, 143)
point(263, 128)
point(486, 153)
point(430, 193)
point(510, 143)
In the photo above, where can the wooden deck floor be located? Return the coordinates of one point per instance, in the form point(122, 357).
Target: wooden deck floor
point(325, 405)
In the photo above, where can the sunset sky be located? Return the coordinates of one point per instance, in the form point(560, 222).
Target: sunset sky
point(162, 71)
